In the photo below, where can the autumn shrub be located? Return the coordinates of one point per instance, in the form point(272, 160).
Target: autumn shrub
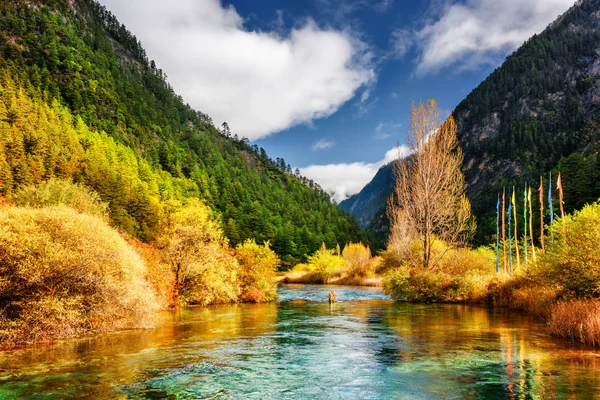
point(325, 265)
point(258, 264)
point(192, 243)
point(577, 320)
point(358, 257)
point(61, 192)
point(460, 275)
point(64, 274)
point(159, 274)
point(321, 267)
point(574, 263)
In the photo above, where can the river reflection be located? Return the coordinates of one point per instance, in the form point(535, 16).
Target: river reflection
point(363, 347)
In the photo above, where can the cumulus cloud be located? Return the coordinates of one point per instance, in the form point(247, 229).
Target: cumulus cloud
point(476, 32)
point(258, 82)
point(322, 144)
point(344, 180)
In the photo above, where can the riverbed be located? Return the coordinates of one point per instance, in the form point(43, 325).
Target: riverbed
point(365, 346)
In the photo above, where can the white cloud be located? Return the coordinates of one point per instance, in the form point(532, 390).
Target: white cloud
point(476, 32)
point(344, 180)
point(400, 42)
point(259, 82)
point(384, 130)
point(322, 144)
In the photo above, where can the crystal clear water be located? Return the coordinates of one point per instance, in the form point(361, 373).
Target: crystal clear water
point(363, 347)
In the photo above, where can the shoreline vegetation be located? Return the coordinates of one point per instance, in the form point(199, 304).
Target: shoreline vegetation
point(428, 258)
point(353, 266)
point(65, 271)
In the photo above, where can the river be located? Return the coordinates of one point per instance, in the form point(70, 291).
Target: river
point(363, 347)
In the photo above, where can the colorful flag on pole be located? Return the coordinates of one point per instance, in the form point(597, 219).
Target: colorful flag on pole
point(531, 224)
point(562, 210)
point(542, 214)
point(551, 209)
point(525, 222)
point(514, 207)
point(510, 237)
point(498, 234)
point(504, 227)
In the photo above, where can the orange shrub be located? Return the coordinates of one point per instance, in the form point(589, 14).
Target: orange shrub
point(159, 274)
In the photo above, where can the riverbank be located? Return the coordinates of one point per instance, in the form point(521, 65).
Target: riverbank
point(301, 347)
point(66, 271)
point(346, 280)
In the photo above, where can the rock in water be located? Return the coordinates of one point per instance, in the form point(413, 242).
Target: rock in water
point(332, 296)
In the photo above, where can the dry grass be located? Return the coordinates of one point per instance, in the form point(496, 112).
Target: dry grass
point(352, 280)
point(61, 192)
point(577, 320)
point(65, 274)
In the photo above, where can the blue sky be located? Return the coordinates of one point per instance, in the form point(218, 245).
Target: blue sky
point(327, 84)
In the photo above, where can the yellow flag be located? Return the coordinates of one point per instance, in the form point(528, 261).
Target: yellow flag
point(514, 204)
point(531, 225)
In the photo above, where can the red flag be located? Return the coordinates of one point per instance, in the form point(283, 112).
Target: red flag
point(562, 210)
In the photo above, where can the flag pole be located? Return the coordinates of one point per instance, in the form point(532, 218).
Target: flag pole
point(514, 204)
point(510, 254)
point(498, 234)
point(562, 209)
point(551, 210)
point(504, 227)
point(542, 213)
point(531, 224)
point(525, 227)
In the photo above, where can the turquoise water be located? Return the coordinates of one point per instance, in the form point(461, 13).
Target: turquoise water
point(363, 347)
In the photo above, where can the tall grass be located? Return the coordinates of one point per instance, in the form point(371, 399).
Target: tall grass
point(577, 320)
point(64, 274)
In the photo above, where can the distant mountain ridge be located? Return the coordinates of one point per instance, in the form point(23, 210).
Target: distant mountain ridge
point(540, 106)
point(365, 204)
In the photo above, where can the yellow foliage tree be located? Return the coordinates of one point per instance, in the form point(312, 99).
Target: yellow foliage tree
point(191, 241)
point(429, 201)
point(257, 271)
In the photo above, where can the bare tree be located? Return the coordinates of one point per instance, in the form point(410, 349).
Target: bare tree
point(429, 201)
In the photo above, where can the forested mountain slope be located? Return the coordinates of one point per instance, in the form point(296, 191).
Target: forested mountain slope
point(80, 99)
point(538, 112)
point(365, 204)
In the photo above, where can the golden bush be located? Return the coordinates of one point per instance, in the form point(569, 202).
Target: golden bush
point(257, 271)
point(192, 243)
point(64, 274)
point(61, 192)
point(358, 257)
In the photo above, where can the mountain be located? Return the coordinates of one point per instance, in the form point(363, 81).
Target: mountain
point(365, 204)
point(80, 99)
point(538, 112)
